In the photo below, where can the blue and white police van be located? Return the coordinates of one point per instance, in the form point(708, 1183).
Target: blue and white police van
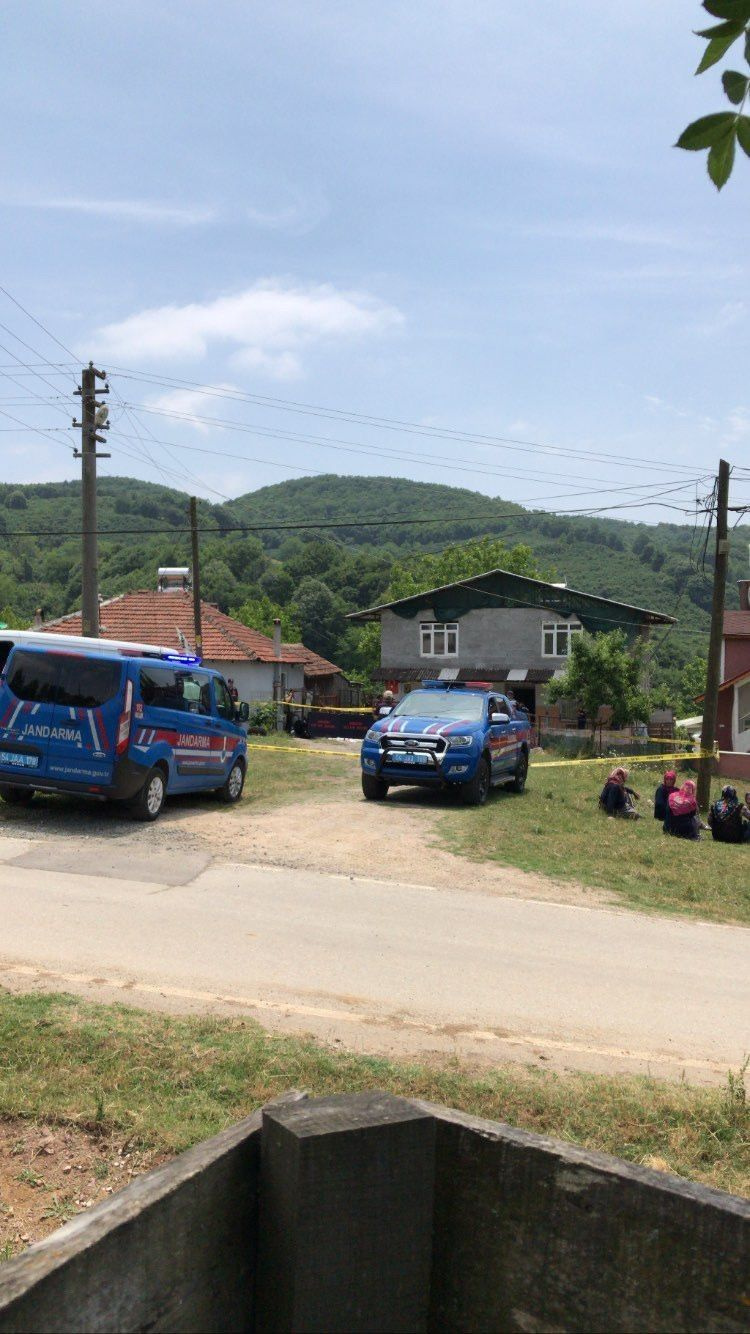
point(447, 734)
point(117, 723)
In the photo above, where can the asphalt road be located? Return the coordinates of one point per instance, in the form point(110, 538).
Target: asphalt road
point(376, 965)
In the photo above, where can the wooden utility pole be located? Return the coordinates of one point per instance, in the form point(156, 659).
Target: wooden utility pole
point(711, 697)
point(93, 420)
point(196, 577)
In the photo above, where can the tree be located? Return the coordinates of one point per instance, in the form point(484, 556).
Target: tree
point(602, 670)
point(320, 616)
point(218, 584)
point(260, 614)
point(721, 131)
point(432, 569)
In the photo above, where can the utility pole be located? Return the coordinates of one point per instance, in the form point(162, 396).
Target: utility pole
point(196, 577)
point(93, 419)
point(711, 697)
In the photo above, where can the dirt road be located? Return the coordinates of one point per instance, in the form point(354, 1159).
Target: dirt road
point(379, 964)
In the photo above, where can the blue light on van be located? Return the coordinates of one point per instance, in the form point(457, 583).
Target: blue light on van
point(188, 659)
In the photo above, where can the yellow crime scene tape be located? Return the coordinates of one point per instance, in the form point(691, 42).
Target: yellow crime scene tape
point(535, 764)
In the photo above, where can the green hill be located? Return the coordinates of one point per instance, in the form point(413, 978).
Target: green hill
point(657, 566)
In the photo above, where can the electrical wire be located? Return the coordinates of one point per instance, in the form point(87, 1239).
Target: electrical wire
point(385, 423)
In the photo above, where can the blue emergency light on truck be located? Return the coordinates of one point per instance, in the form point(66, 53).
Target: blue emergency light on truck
point(446, 734)
point(109, 725)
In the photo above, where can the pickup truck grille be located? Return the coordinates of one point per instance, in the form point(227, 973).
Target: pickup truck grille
point(403, 741)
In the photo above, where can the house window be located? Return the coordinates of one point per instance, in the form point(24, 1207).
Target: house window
point(557, 637)
point(743, 708)
point(438, 639)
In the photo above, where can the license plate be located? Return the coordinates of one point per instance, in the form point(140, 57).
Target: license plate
point(17, 760)
point(410, 757)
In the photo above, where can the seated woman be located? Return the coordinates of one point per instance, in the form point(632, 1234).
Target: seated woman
point(661, 795)
point(684, 820)
point(725, 817)
point(616, 798)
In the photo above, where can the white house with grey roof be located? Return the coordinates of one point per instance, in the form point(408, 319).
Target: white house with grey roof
point(500, 627)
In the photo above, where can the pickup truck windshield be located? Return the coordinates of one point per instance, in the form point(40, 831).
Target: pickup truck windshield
point(442, 704)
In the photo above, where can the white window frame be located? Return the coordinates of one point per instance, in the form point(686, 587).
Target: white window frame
point(427, 633)
point(562, 633)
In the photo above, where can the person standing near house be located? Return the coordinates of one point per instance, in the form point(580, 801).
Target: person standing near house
point(383, 704)
point(233, 691)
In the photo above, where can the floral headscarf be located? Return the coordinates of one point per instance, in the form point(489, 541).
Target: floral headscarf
point(727, 803)
point(670, 778)
point(618, 775)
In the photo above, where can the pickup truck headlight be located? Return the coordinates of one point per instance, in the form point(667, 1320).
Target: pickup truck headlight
point(372, 735)
point(460, 742)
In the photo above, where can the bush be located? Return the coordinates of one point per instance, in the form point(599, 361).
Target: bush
point(264, 716)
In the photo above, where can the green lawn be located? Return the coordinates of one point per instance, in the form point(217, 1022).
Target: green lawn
point(169, 1082)
point(274, 778)
point(556, 828)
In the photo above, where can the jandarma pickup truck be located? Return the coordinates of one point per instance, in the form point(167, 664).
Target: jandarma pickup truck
point(446, 734)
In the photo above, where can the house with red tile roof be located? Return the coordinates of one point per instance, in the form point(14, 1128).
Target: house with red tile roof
point(165, 616)
point(733, 717)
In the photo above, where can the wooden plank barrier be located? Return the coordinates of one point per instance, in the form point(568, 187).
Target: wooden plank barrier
point(366, 1212)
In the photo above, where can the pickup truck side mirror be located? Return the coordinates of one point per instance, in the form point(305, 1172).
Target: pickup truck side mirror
point(384, 710)
point(242, 711)
point(497, 718)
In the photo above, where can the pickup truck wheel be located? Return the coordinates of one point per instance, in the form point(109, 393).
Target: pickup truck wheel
point(475, 792)
point(522, 769)
point(147, 805)
point(16, 796)
point(232, 789)
point(375, 789)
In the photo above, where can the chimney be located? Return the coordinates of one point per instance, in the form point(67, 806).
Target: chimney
point(38, 621)
point(744, 587)
point(276, 638)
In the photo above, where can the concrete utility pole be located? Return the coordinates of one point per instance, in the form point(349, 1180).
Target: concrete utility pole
point(93, 419)
point(196, 577)
point(711, 697)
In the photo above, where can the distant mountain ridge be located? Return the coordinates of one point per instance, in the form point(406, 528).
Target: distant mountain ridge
point(656, 566)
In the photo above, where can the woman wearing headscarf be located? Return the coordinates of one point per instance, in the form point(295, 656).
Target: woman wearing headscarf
point(725, 817)
point(684, 820)
point(616, 798)
point(661, 795)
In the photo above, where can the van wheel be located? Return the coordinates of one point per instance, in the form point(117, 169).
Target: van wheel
point(475, 791)
point(375, 789)
point(150, 800)
point(232, 789)
point(519, 777)
point(16, 796)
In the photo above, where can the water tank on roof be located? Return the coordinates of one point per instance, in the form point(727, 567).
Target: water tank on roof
point(173, 577)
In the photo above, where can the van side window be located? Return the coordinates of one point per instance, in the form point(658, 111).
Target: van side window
point(224, 701)
point(86, 684)
point(33, 677)
point(169, 688)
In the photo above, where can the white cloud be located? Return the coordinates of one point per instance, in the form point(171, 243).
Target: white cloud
point(132, 210)
point(265, 326)
point(187, 402)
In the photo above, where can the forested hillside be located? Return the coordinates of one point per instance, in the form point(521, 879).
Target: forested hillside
point(316, 575)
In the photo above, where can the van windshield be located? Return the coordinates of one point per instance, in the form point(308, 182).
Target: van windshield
point(442, 704)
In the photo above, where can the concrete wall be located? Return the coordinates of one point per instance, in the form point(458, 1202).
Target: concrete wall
point(254, 680)
point(372, 1213)
point(486, 636)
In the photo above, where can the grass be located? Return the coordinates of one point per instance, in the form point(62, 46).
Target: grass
point(273, 778)
point(168, 1082)
point(556, 828)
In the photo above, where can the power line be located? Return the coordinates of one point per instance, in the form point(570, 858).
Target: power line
point(39, 325)
point(560, 453)
point(384, 423)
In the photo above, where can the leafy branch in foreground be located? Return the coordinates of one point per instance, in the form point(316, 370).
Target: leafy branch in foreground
point(723, 130)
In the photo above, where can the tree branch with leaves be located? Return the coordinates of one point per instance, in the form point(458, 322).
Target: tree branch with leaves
point(722, 131)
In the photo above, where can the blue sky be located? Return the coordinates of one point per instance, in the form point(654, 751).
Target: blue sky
point(457, 215)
